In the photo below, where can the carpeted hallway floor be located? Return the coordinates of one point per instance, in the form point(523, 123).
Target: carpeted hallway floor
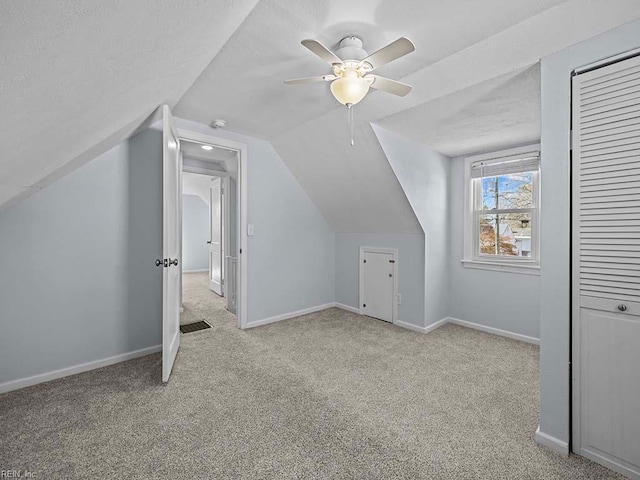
point(200, 303)
point(328, 395)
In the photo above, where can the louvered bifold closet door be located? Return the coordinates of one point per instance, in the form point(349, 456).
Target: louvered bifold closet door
point(606, 265)
point(607, 150)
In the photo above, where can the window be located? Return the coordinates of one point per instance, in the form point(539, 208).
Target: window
point(502, 221)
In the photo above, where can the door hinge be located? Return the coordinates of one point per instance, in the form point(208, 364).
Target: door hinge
point(240, 250)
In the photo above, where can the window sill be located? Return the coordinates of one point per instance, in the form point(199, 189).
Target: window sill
point(502, 267)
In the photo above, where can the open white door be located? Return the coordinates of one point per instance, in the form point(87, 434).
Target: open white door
point(171, 177)
point(215, 245)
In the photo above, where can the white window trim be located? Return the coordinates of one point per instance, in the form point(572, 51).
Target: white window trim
point(470, 257)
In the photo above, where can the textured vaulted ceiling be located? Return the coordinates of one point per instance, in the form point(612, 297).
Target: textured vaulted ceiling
point(474, 73)
point(244, 83)
point(78, 77)
point(499, 112)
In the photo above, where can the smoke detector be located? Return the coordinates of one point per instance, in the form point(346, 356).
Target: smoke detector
point(218, 123)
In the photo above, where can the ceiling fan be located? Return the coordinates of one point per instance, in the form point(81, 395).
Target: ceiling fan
point(352, 67)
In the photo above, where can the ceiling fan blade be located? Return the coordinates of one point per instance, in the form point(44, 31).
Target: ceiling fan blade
point(391, 52)
point(389, 86)
point(300, 81)
point(323, 52)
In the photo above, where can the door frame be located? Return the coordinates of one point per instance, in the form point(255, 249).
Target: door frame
point(226, 239)
point(392, 251)
point(241, 211)
point(574, 314)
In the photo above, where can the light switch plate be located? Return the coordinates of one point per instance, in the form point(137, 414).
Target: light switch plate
point(251, 229)
point(399, 299)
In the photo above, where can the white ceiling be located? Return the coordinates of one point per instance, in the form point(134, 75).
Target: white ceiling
point(244, 83)
point(217, 154)
point(476, 86)
point(76, 75)
point(499, 112)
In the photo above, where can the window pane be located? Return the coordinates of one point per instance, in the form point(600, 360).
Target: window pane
point(507, 191)
point(513, 239)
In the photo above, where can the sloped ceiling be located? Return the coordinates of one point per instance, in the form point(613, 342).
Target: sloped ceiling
point(494, 114)
point(78, 77)
point(79, 74)
point(476, 87)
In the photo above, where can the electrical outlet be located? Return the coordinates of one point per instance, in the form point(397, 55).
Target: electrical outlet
point(399, 299)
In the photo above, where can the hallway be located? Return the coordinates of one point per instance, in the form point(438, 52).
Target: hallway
point(200, 303)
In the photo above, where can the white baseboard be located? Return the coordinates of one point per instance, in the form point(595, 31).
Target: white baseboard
point(552, 443)
point(631, 472)
point(495, 331)
point(438, 324)
point(348, 308)
point(415, 328)
point(83, 367)
point(408, 326)
point(287, 316)
point(195, 271)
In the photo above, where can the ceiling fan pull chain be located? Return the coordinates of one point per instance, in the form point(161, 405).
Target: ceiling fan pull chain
point(350, 121)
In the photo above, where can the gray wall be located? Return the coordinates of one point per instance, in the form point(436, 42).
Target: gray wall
point(79, 283)
point(555, 251)
point(144, 279)
point(410, 270)
point(74, 255)
point(473, 292)
point(195, 233)
point(292, 255)
point(424, 174)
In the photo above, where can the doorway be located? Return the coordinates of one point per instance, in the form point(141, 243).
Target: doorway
point(209, 239)
point(176, 156)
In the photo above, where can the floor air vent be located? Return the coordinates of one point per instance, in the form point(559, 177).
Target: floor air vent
point(194, 327)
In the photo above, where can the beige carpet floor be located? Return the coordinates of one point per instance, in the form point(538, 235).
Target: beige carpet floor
point(200, 303)
point(328, 395)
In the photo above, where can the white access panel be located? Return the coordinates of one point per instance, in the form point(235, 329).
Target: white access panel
point(606, 266)
point(378, 283)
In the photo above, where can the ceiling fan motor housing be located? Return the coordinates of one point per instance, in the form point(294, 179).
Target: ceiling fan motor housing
point(351, 49)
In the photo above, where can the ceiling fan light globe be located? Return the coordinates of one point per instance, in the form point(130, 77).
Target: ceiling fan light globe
point(349, 89)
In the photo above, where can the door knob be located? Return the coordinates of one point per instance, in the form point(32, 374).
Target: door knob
point(209, 242)
point(622, 307)
point(159, 262)
point(173, 262)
